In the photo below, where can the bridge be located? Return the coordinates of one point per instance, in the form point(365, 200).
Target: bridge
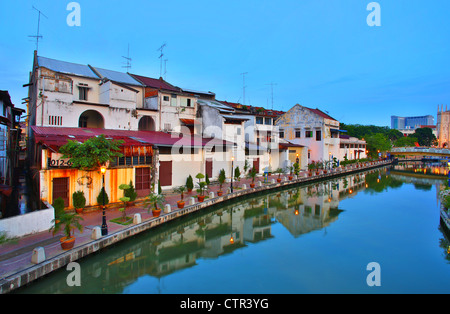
point(421, 151)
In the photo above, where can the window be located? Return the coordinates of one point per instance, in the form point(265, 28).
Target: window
point(166, 98)
point(173, 100)
point(259, 120)
point(55, 120)
point(318, 135)
point(281, 134)
point(188, 102)
point(238, 130)
point(298, 133)
point(308, 134)
point(82, 93)
point(268, 121)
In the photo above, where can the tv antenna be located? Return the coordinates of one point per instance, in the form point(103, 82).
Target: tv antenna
point(160, 58)
point(37, 36)
point(271, 88)
point(243, 86)
point(128, 59)
point(165, 68)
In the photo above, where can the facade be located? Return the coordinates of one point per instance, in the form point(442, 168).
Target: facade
point(73, 101)
point(352, 148)
point(313, 129)
point(443, 127)
point(402, 123)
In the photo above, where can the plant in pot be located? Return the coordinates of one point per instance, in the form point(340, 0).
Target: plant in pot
point(67, 222)
point(181, 189)
point(237, 174)
point(291, 170)
point(125, 199)
point(252, 175)
point(79, 201)
point(58, 205)
point(189, 184)
point(131, 193)
point(152, 201)
point(296, 168)
point(279, 171)
point(222, 178)
point(201, 185)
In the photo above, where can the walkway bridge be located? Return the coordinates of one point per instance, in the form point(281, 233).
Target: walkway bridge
point(421, 151)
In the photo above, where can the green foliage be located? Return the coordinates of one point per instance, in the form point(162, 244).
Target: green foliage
point(363, 131)
point(425, 136)
point(91, 154)
point(296, 168)
point(181, 189)
point(201, 187)
point(377, 142)
point(200, 176)
point(207, 180)
point(79, 201)
point(222, 177)
point(153, 200)
point(100, 197)
point(189, 183)
point(130, 192)
point(406, 141)
point(159, 188)
point(67, 222)
point(252, 174)
point(246, 166)
point(58, 205)
point(237, 173)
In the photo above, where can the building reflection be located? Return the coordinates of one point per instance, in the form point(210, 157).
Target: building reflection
point(220, 231)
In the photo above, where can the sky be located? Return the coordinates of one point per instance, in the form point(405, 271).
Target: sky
point(316, 53)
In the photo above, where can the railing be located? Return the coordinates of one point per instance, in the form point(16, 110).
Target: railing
point(421, 150)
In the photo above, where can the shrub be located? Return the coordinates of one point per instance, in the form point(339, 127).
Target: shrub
point(189, 183)
point(79, 201)
point(100, 197)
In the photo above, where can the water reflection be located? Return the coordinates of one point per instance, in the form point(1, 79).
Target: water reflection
point(219, 231)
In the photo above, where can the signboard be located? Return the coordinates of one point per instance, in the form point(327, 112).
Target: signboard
point(55, 161)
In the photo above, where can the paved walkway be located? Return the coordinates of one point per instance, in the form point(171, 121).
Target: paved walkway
point(16, 255)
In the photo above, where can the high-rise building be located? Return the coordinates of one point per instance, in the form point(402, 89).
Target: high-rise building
point(401, 123)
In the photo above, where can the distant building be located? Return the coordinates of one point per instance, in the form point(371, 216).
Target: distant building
point(443, 127)
point(402, 123)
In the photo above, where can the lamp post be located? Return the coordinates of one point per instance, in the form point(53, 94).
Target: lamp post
point(104, 226)
point(232, 165)
point(296, 159)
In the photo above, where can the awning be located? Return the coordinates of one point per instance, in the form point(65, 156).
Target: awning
point(189, 121)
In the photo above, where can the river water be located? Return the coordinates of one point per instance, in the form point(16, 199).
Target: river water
point(318, 238)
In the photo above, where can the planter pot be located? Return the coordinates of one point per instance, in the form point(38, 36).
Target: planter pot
point(79, 210)
point(130, 203)
point(201, 198)
point(156, 213)
point(180, 204)
point(189, 190)
point(291, 177)
point(279, 180)
point(309, 174)
point(219, 193)
point(317, 173)
point(67, 243)
point(252, 185)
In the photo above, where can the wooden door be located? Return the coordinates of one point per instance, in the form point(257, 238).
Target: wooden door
point(165, 173)
point(143, 181)
point(209, 167)
point(256, 164)
point(61, 189)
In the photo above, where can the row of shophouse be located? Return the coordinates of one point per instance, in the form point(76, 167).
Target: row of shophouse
point(169, 132)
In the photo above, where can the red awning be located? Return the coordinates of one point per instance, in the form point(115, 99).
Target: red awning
point(189, 121)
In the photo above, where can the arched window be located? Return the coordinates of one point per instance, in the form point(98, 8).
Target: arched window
point(146, 124)
point(91, 119)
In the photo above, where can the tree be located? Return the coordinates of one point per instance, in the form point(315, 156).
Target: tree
point(425, 136)
point(405, 141)
point(377, 143)
point(91, 154)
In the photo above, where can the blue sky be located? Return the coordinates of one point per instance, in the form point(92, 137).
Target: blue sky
point(318, 53)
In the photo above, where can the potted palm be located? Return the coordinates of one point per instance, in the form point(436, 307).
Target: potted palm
point(291, 170)
point(181, 189)
point(152, 201)
point(252, 175)
point(68, 222)
point(79, 201)
point(279, 171)
point(222, 178)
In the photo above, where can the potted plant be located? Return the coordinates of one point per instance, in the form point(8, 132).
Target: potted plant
point(102, 196)
point(68, 222)
point(181, 189)
point(125, 199)
point(189, 184)
point(58, 205)
point(237, 174)
point(79, 201)
point(252, 175)
point(296, 168)
point(152, 201)
point(291, 170)
point(222, 178)
point(279, 171)
point(201, 185)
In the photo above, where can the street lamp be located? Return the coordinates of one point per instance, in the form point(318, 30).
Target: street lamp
point(296, 159)
point(104, 226)
point(232, 165)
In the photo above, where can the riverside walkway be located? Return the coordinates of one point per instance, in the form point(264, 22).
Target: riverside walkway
point(17, 269)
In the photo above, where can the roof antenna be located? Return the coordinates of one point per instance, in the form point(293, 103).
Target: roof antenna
point(165, 69)
point(128, 65)
point(271, 86)
point(37, 36)
point(160, 58)
point(243, 86)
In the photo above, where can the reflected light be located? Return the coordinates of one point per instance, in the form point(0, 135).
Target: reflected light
point(231, 240)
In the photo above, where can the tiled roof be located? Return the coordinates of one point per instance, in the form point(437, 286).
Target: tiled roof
point(320, 113)
point(66, 67)
point(155, 83)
